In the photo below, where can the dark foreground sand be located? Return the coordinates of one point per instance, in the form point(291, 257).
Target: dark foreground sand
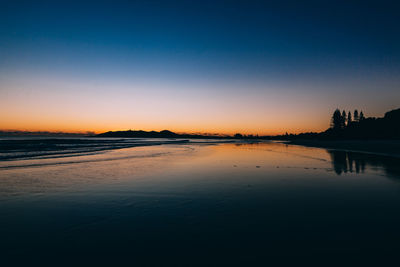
point(234, 204)
point(379, 147)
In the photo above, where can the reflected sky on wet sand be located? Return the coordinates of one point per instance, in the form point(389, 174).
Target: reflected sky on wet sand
point(195, 204)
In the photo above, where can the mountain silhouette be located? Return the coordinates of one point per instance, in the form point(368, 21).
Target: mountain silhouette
point(342, 127)
point(155, 134)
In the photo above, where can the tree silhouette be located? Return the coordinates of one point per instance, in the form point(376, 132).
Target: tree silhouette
point(361, 116)
point(238, 135)
point(349, 118)
point(356, 115)
point(336, 121)
point(343, 124)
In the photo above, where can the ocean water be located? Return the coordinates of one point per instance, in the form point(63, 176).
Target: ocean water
point(138, 202)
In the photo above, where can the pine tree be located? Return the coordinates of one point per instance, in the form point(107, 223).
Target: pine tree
point(343, 124)
point(349, 120)
point(356, 115)
point(336, 121)
point(361, 116)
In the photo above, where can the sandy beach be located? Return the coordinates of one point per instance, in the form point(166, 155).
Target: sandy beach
point(186, 203)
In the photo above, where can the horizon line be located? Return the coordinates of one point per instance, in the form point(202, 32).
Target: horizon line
point(177, 132)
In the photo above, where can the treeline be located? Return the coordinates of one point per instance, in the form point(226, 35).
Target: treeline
point(360, 127)
point(340, 120)
point(344, 125)
point(353, 125)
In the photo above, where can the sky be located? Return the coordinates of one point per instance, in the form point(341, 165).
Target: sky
point(255, 67)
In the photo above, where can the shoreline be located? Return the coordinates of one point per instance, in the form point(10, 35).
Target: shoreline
point(390, 148)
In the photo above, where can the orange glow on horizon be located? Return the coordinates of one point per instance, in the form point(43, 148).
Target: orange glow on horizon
point(59, 127)
point(59, 105)
point(40, 103)
point(98, 124)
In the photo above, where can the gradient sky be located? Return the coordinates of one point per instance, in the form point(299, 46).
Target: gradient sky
point(195, 66)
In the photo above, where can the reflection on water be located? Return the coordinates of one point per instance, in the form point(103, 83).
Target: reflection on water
point(187, 204)
point(153, 162)
point(346, 161)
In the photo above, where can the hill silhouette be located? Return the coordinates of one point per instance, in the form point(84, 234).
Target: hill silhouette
point(344, 128)
point(155, 134)
point(140, 133)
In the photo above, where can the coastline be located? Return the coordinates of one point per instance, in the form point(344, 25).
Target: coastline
point(378, 147)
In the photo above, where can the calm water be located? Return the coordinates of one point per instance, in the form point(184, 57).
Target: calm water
point(183, 204)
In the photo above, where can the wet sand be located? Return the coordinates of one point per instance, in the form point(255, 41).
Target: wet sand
point(265, 204)
point(378, 147)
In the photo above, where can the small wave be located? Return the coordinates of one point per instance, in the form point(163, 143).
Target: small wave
point(42, 164)
point(59, 148)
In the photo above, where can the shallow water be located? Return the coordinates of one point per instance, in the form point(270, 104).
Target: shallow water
point(201, 204)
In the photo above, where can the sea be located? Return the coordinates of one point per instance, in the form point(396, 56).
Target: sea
point(195, 202)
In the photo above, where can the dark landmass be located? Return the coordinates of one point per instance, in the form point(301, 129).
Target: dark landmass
point(368, 135)
point(374, 135)
point(43, 134)
point(155, 134)
point(386, 128)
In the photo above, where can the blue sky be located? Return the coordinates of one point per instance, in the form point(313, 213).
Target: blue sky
point(325, 54)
